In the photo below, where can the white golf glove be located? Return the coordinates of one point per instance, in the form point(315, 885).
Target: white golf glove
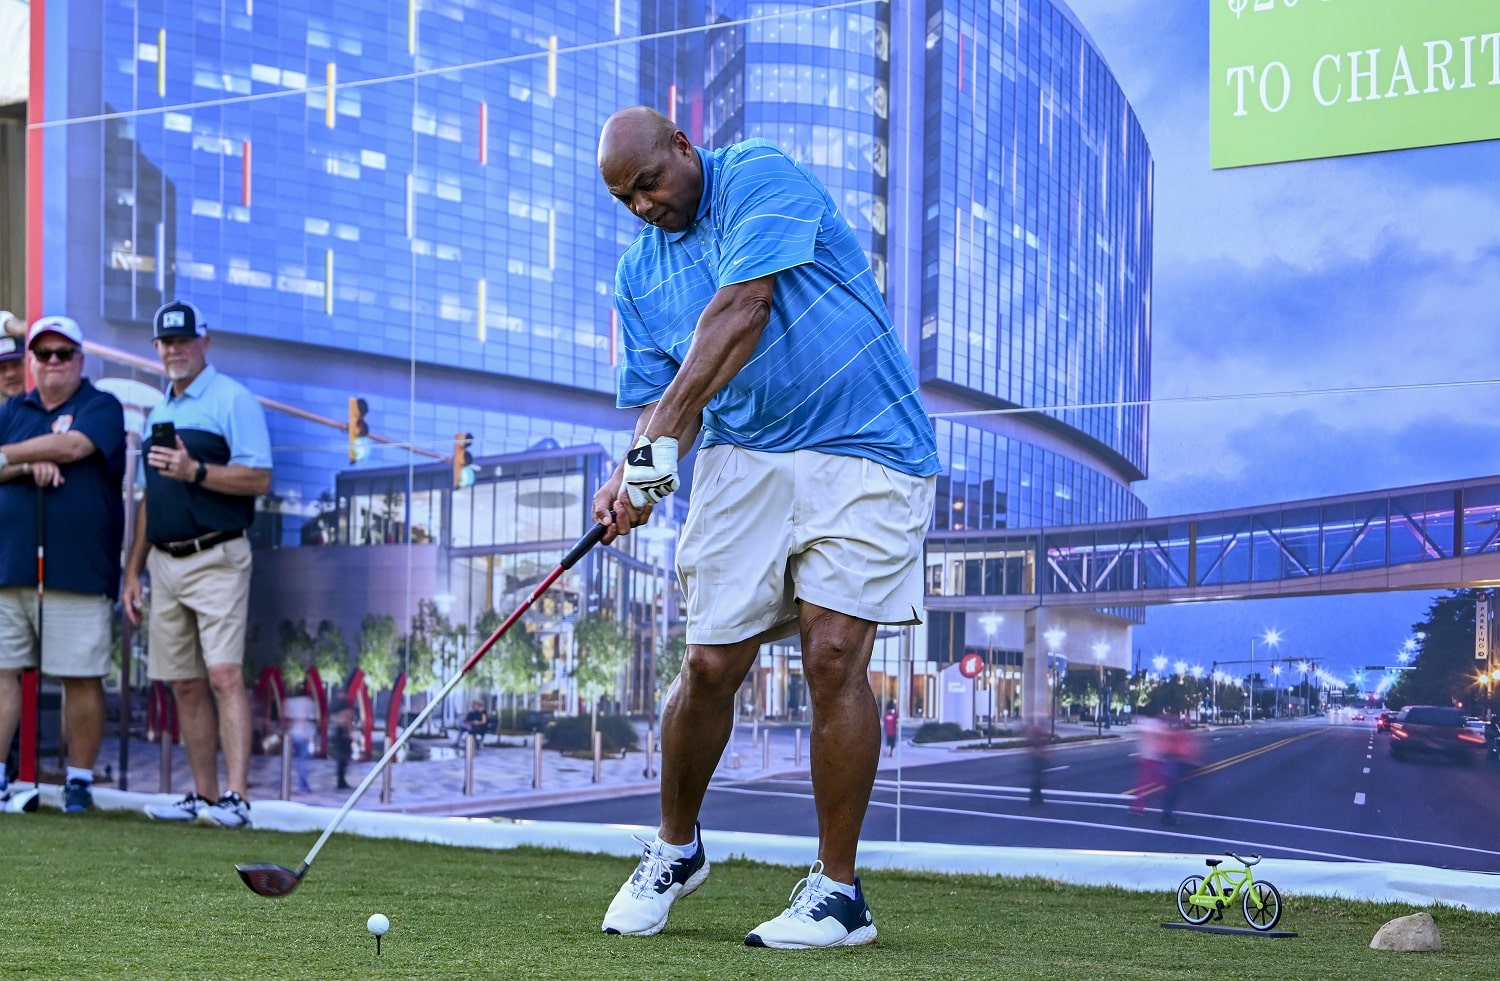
point(651, 470)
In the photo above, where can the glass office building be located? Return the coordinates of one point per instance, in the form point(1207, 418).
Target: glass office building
point(400, 203)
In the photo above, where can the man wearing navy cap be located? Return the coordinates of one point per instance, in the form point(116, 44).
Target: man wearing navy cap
point(12, 361)
point(202, 479)
point(62, 460)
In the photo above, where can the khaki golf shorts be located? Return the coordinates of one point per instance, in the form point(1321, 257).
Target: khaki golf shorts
point(77, 641)
point(766, 530)
point(198, 610)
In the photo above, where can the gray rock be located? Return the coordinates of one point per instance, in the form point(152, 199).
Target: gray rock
point(1408, 933)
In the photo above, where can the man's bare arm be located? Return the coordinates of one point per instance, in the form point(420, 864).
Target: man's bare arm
point(727, 334)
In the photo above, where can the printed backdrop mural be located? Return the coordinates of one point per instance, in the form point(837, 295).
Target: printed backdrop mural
point(393, 222)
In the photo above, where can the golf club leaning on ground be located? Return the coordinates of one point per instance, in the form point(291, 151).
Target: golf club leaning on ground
point(269, 879)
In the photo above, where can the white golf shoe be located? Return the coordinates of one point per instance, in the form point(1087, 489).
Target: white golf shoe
point(663, 876)
point(819, 916)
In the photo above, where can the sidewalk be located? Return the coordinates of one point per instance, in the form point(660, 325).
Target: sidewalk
point(504, 774)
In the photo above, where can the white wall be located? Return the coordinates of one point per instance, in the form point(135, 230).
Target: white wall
point(15, 51)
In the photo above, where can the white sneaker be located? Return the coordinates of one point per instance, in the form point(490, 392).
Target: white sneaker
point(18, 801)
point(663, 876)
point(820, 916)
point(179, 810)
point(231, 811)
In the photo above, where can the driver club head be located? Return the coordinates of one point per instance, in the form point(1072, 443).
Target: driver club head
point(268, 879)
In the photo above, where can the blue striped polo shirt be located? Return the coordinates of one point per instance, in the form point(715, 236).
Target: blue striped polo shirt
point(829, 373)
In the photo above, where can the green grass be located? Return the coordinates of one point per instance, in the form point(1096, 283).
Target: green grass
point(117, 896)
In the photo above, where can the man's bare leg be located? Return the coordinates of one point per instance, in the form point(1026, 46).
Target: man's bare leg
point(845, 741)
point(200, 734)
point(83, 706)
point(228, 684)
point(10, 709)
point(695, 726)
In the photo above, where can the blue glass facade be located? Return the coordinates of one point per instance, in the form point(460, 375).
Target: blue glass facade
point(401, 203)
point(1036, 245)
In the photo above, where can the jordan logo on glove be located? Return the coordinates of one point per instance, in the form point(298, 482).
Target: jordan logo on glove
point(651, 470)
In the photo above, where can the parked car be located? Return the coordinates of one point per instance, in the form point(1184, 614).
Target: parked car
point(1435, 730)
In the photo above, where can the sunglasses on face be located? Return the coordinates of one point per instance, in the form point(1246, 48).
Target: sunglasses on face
point(63, 354)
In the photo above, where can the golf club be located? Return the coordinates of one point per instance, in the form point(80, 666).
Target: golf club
point(269, 879)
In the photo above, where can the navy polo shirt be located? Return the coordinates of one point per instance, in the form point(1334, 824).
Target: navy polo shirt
point(220, 422)
point(85, 517)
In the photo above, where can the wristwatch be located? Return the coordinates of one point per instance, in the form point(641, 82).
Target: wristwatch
point(202, 473)
point(4, 460)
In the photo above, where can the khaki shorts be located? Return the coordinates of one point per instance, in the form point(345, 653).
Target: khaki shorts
point(198, 610)
point(77, 641)
point(765, 530)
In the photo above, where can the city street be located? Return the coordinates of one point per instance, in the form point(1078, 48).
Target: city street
point(1314, 788)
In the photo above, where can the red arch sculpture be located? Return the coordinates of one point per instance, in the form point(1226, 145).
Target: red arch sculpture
point(358, 695)
point(161, 713)
point(393, 712)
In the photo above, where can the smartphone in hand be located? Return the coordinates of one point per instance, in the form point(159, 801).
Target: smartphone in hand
point(164, 434)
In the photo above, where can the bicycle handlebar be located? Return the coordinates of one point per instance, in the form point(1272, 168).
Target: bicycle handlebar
point(1252, 860)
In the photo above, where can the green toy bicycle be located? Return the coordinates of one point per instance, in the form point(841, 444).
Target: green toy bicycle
point(1199, 898)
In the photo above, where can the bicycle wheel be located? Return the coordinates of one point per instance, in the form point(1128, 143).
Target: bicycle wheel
point(1191, 909)
point(1268, 913)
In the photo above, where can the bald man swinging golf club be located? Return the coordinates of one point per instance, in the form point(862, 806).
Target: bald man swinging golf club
point(750, 315)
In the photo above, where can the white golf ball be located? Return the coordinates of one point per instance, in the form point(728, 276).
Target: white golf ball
point(378, 924)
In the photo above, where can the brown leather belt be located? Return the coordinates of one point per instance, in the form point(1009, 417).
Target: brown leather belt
point(192, 546)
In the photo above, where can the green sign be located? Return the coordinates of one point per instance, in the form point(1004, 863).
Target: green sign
point(1297, 79)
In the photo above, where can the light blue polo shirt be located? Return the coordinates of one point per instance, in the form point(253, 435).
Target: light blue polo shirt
point(220, 422)
point(829, 373)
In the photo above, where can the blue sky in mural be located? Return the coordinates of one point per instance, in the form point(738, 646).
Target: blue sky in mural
point(1353, 273)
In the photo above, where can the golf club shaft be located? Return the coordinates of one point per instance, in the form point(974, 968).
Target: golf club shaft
point(577, 552)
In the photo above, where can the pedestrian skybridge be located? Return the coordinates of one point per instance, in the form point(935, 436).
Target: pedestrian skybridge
point(1431, 536)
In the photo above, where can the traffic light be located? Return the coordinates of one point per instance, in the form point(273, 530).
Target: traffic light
point(359, 430)
point(463, 460)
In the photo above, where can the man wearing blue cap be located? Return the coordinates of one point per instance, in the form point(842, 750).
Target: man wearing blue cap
point(62, 460)
point(12, 361)
point(209, 459)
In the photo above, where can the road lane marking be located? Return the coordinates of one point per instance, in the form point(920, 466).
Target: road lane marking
point(1021, 793)
point(1104, 826)
point(1359, 798)
point(1367, 769)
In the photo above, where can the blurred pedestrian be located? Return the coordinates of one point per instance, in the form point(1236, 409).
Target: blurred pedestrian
point(341, 739)
point(1180, 756)
point(299, 721)
point(891, 723)
point(62, 462)
point(1038, 739)
point(210, 457)
point(1153, 741)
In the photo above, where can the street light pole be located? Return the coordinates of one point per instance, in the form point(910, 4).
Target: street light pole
point(1101, 650)
point(1271, 638)
point(990, 622)
point(1054, 639)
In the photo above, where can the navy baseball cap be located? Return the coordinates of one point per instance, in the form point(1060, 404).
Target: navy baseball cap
point(179, 319)
point(10, 348)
